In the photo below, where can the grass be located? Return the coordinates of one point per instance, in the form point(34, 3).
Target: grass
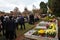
point(28, 27)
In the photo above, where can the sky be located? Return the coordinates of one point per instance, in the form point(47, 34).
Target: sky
point(9, 5)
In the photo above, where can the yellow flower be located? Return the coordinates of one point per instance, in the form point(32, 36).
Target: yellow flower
point(53, 26)
point(50, 31)
point(41, 31)
point(47, 31)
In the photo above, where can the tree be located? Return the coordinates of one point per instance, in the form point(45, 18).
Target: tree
point(16, 9)
point(43, 7)
point(54, 5)
point(26, 12)
point(25, 9)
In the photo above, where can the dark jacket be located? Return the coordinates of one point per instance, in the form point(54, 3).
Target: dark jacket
point(31, 17)
point(1, 18)
point(21, 20)
point(10, 25)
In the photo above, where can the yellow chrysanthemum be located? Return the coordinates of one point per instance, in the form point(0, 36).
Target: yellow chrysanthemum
point(50, 31)
point(53, 26)
point(41, 31)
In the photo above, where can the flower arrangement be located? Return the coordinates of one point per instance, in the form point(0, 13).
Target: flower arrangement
point(48, 18)
point(50, 32)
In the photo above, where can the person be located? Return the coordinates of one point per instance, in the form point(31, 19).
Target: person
point(10, 29)
point(21, 21)
point(31, 17)
point(2, 18)
point(16, 24)
point(36, 19)
point(16, 21)
point(0, 25)
point(3, 26)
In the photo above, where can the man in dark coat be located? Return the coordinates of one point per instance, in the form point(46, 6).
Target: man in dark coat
point(10, 29)
point(22, 21)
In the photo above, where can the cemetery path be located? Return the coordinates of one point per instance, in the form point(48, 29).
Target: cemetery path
point(20, 37)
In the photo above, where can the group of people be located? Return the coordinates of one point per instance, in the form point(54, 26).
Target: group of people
point(9, 24)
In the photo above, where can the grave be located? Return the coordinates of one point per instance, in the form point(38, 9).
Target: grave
point(41, 25)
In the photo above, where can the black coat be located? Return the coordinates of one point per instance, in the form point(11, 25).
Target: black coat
point(2, 18)
point(10, 25)
point(21, 20)
point(31, 17)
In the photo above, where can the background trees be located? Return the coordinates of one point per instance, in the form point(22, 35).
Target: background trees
point(54, 5)
point(43, 7)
